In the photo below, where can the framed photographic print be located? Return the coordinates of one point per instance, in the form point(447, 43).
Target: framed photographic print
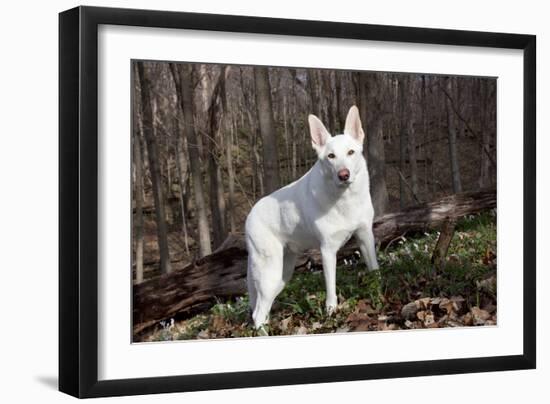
point(251, 201)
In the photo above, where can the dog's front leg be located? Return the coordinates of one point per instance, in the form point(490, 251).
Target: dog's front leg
point(365, 238)
point(329, 269)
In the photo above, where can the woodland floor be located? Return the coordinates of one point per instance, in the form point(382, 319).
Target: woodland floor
point(404, 294)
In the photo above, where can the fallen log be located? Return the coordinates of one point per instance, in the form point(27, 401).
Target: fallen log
point(218, 275)
point(223, 273)
point(430, 216)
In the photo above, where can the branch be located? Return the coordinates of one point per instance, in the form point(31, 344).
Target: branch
point(408, 185)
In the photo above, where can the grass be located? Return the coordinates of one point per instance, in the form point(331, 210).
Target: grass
point(371, 300)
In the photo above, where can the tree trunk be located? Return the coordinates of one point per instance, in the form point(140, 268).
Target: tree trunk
point(377, 167)
point(229, 138)
point(402, 142)
point(267, 130)
point(451, 130)
point(138, 197)
point(217, 195)
point(181, 165)
point(286, 137)
point(231, 182)
point(425, 135)
point(294, 152)
point(329, 97)
point(152, 152)
point(312, 89)
point(183, 75)
point(223, 274)
point(485, 163)
point(371, 116)
point(411, 138)
point(339, 113)
point(256, 179)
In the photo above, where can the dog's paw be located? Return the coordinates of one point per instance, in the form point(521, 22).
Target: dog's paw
point(331, 309)
point(262, 331)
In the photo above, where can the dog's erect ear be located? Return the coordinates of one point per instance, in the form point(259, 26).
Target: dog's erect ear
point(353, 125)
point(319, 134)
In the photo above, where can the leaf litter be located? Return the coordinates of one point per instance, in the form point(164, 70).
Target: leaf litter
point(404, 295)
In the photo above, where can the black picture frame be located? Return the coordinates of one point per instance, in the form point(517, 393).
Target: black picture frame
point(78, 201)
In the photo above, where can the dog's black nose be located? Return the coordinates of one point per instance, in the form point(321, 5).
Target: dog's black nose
point(343, 174)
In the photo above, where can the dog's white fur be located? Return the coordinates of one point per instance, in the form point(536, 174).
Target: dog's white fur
point(318, 210)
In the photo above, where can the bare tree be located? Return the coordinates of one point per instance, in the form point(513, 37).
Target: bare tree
point(330, 114)
point(485, 163)
point(217, 197)
point(229, 129)
point(339, 114)
point(372, 115)
point(313, 91)
point(138, 195)
point(152, 152)
point(402, 141)
point(451, 131)
point(294, 151)
point(183, 78)
point(428, 167)
point(411, 136)
point(183, 174)
point(267, 129)
point(256, 178)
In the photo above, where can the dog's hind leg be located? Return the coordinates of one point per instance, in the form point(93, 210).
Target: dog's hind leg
point(268, 283)
point(273, 278)
point(268, 290)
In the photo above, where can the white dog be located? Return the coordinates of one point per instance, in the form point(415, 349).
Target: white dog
point(322, 210)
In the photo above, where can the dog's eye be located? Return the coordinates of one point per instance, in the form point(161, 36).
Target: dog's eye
point(331, 156)
point(351, 152)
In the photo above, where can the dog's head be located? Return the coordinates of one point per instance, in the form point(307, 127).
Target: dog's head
point(341, 156)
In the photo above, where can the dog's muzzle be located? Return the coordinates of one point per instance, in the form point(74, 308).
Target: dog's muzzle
point(343, 174)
